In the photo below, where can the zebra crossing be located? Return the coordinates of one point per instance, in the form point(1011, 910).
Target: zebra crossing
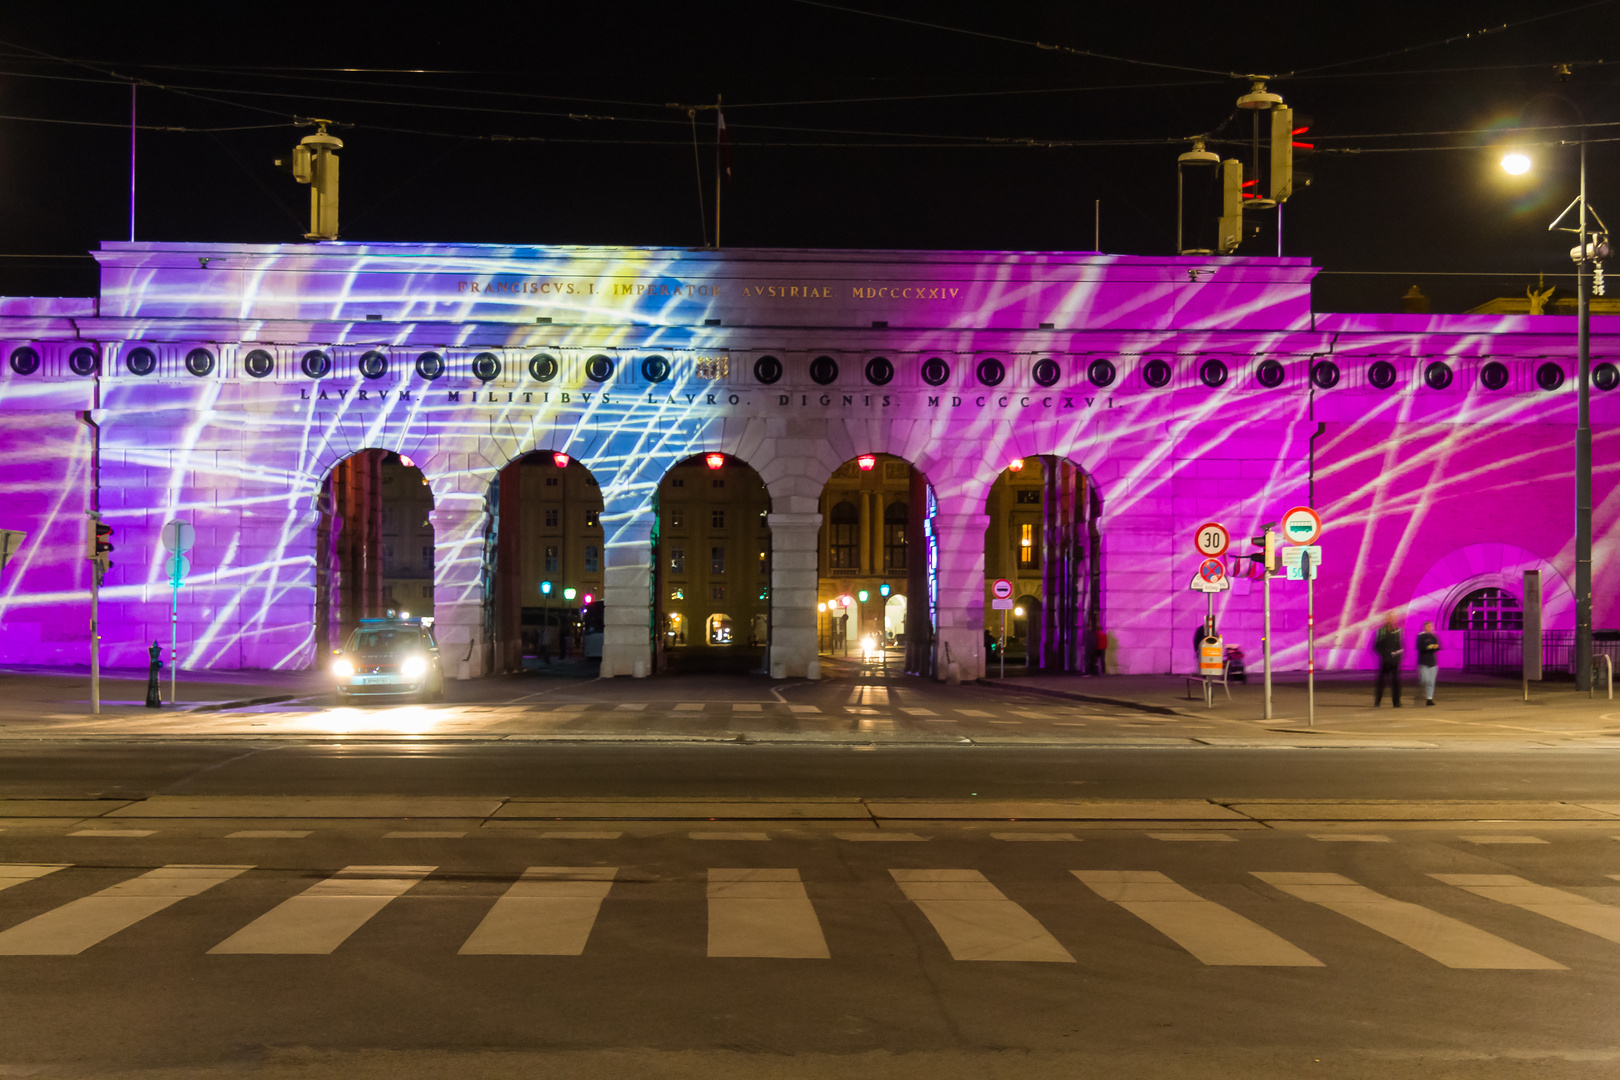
point(771, 913)
point(711, 711)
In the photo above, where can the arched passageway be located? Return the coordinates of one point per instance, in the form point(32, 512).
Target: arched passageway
point(711, 566)
point(547, 539)
point(374, 544)
point(875, 540)
point(1042, 537)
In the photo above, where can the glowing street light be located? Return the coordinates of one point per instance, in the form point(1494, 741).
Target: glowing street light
point(1015, 465)
point(1515, 163)
point(714, 461)
point(560, 460)
point(867, 462)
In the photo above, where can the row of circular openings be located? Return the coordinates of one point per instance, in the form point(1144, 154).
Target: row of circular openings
point(935, 371)
point(317, 364)
point(1438, 375)
point(487, 366)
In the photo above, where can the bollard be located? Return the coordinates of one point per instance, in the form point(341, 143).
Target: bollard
point(156, 653)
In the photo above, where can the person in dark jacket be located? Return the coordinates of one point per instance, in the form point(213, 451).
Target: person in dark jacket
point(1389, 647)
point(1428, 643)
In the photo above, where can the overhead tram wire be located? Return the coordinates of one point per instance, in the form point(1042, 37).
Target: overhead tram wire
point(1089, 53)
point(1466, 36)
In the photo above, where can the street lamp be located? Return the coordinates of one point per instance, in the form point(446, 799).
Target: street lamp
point(1594, 251)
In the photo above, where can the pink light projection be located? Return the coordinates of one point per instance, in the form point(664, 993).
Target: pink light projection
point(219, 384)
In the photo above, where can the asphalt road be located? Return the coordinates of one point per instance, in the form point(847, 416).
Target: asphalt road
point(680, 953)
point(69, 769)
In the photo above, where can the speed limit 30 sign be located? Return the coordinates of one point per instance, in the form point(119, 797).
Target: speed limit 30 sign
point(1212, 540)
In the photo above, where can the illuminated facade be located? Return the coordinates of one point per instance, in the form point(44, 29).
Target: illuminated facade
point(223, 385)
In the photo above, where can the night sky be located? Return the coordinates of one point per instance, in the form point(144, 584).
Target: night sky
point(846, 130)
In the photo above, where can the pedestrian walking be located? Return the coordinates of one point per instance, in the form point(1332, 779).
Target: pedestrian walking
point(1428, 643)
point(1388, 645)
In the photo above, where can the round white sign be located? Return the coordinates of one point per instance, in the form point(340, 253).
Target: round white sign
point(1302, 526)
point(1212, 539)
point(1002, 589)
point(179, 536)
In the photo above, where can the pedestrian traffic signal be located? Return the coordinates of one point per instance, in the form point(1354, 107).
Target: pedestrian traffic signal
point(883, 589)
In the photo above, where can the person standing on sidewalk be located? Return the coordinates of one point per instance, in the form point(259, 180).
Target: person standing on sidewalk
point(1428, 643)
point(1389, 648)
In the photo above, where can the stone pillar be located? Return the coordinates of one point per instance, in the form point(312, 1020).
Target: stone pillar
point(961, 593)
point(863, 531)
point(627, 593)
point(459, 527)
point(509, 572)
point(794, 581)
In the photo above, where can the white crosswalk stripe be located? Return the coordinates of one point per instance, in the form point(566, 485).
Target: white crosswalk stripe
point(1450, 941)
point(17, 873)
point(549, 911)
point(763, 913)
point(323, 916)
point(976, 920)
point(79, 924)
point(1214, 934)
point(1569, 908)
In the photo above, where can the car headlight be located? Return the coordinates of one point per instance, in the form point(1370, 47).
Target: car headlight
point(413, 667)
point(342, 668)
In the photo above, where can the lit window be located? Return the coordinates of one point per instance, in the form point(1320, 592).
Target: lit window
point(551, 558)
point(677, 560)
point(590, 558)
point(551, 518)
point(717, 519)
point(1487, 609)
point(674, 629)
point(764, 563)
point(1027, 553)
point(677, 594)
point(717, 560)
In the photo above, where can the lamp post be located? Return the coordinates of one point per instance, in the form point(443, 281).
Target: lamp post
point(545, 625)
point(1591, 250)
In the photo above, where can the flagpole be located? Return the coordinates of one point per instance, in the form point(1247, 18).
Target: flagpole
point(717, 170)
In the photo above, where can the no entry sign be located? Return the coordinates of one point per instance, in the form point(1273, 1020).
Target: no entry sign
point(1302, 525)
point(1212, 539)
point(1002, 589)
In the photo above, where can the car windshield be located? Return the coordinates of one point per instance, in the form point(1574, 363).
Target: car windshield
point(377, 639)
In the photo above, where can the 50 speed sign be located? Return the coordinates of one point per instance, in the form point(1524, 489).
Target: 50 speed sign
point(1212, 540)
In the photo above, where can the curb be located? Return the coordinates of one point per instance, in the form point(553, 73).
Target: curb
point(1095, 699)
point(224, 706)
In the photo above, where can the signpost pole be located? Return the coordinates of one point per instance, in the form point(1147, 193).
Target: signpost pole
point(1310, 639)
point(1209, 632)
point(95, 638)
point(1265, 642)
point(1003, 643)
point(174, 630)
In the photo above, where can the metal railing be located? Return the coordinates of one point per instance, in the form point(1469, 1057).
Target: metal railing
point(1501, 652)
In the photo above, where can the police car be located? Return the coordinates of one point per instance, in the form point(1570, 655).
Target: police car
point(395, 656)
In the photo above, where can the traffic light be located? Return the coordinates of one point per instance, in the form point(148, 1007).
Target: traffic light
point(883, 589)
point(1231, 224)
point(1267, 542)
point(98, 543)
point(1286, 128)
